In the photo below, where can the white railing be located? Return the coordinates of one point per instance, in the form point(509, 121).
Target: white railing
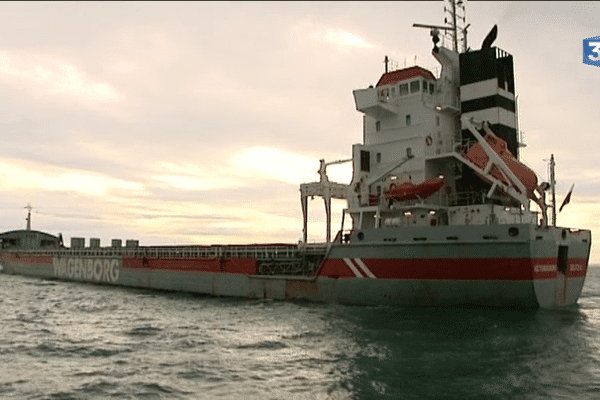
point(283, 251)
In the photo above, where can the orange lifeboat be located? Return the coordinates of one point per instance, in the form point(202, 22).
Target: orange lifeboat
point(478, 156)
point(410, 191)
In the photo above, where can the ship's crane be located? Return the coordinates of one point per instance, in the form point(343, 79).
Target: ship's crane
point(323, 168)
point(325, 189)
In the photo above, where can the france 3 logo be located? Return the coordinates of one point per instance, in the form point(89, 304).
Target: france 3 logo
point(591, 51)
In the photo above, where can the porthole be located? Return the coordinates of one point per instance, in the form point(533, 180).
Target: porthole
point(360, 235)
point(513, 231)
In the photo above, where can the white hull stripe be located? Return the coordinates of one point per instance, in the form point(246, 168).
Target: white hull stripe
point(358, 267)
point(350, 264)
point(364, 268)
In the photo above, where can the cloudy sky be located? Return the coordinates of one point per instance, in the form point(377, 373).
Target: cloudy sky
point(196, 122)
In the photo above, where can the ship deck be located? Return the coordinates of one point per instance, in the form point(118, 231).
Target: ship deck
point(256, 251)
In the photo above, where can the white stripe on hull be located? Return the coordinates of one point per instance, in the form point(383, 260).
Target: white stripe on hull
point(359, 268)
point(350, 265)
point(364, 268)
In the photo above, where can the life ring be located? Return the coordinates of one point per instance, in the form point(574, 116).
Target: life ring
point(428, 140)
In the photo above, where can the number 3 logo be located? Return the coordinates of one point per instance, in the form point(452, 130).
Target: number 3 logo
point(591, 51)
point(595, 49)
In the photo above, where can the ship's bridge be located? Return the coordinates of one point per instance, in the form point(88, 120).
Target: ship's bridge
point(27, 239)
point(393, 88)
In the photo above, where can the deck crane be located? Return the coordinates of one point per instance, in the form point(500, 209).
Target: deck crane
point(325, 189)
point(324, 165)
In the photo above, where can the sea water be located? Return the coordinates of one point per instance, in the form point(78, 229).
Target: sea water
point(61, 340)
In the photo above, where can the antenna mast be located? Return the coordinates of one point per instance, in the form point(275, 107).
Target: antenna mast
point(456, 18)
point(28, 219)
point(553, 188)
point(455, 30)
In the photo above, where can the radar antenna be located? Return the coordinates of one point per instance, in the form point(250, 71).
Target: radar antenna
point(455, 30)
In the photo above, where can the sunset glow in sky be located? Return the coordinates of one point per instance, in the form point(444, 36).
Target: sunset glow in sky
point(196, 122)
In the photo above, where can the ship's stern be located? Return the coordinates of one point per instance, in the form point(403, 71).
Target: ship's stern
point(560, 258)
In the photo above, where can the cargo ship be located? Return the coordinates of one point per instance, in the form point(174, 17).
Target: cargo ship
point(440, 209)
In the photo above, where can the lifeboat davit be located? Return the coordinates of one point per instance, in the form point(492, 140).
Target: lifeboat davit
point(410, 191)
point(478, 156)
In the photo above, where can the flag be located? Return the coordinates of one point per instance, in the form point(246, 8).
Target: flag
point(567, 199)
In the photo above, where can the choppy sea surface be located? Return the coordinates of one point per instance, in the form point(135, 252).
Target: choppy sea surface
point(61, 340)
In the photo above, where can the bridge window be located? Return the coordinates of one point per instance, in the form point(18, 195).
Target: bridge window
point(403, 89)
point(431, 87)
point(408, 120)
point(394, 91)
point(378, 157)
point(415, 86)
point(377, 126)
point(424, 86)
point(10, 242)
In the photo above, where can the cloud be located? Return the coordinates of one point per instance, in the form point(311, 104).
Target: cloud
point(336, 37)
point(247, 167)
point(195, 221)
point(54, 78)
point(342, 38)
point(16, 174)
point(272, 163)
point(191, 177)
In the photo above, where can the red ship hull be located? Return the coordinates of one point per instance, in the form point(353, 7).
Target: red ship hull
point(485, 266)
